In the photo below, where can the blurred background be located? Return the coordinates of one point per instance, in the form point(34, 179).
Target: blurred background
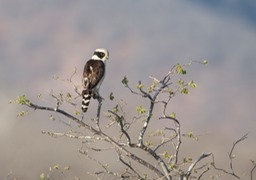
point(42, 39)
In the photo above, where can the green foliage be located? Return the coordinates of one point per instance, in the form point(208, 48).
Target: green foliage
point(56, 168)
point(141, 110)
point(68, 97)
point(77, 112)
point(173, 115)
point(111, 96)
point(66, 168)
point(116, 109)
point(184, 90)
point(166, 155)
point(171, 166)
point(22, 113)
point(191, 135)
point(125, 81)
point(42, 176)
point(192, 84)
point(187, 160)
point(140, 86)
point(22, 100)
point(52, 117)
point(179, 69)
point(153, 86)
point(158, 132)
point(149, 143)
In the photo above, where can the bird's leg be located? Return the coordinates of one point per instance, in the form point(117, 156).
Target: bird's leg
point(96, 95)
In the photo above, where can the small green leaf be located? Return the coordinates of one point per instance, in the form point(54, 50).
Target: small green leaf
point(77, 112)
point(173, 115)
point(186, 160)
point(180, 70)
point(52, 117)
point(180, 82)
point(192, 84)
point(125, 81)
point(145, 176)
point(22, 113)
point(141, 110)
point(22, 100)
point(159, 132)
point(171, 166)
point(111, 96)
point(184, 90)
point(42, 176)
point(153, 86)
point(56, 166)
point(116, 109)
point(166, 155)
point(139, 86)
point(67, 168)
point(149, 143)
point(68, 97)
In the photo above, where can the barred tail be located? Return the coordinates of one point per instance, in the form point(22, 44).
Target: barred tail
point(86, 95)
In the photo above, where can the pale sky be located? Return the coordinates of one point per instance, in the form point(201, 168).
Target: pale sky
point(40, 39)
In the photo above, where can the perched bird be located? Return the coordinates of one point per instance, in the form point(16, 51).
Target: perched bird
point(93, 76)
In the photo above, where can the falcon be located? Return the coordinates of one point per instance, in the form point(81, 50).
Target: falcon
point(93, 76)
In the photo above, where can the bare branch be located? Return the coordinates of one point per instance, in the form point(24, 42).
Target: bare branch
point(203, 172)
point(223, 170)
point(232, 173)
point(98, 113)
point(119, 120)
point(8, 175)
point(104, 167)
point(232, 149)
point(191, 167)
point(72, 136)
point(149, 115)
point(131, 168)
point(253, 168)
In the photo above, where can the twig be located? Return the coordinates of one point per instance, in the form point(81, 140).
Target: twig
point(177, 131)
point(120, 122)
point(191, 167)
point(223, 170)
point(232, 173)
point(149, 115)
point(202, 173)
point(72, 136)
point(8, 175)
point(253, 168)
point(104, 167)
point(98, 114)
point(131, 168)
point(232, 149)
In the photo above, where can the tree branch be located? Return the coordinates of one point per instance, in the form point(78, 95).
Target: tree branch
point(191, 167)
point(131, 168)
point(253, 168)
point(99, 133)
point(120, 122)
point(232, 173)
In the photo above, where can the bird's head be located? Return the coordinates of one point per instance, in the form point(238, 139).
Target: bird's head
point(100, 54)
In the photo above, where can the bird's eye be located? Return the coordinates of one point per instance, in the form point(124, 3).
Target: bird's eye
point(101, 54)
